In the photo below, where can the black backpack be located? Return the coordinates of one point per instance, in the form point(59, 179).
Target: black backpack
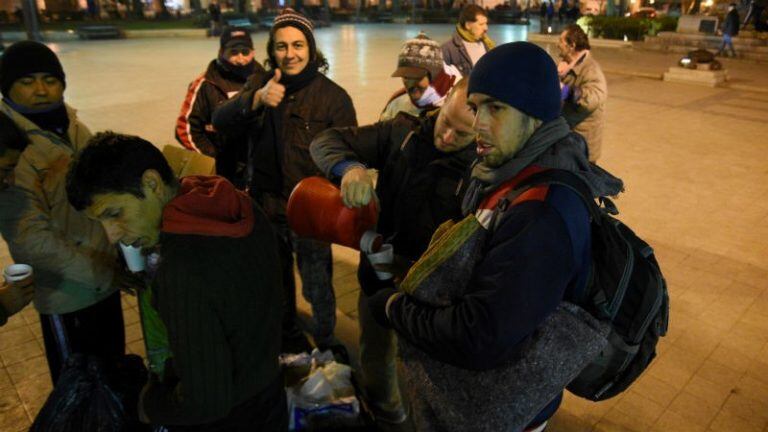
point(625, 287)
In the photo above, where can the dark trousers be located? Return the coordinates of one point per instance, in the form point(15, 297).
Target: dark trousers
point(315, 263)
point(378, 352)
point(97, 330)
point(265, 412)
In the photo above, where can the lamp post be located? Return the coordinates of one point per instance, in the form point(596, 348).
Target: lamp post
point(31, 25)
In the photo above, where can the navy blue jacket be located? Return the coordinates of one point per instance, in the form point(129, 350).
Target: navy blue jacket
point(537, 256)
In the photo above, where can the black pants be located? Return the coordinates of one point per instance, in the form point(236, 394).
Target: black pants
point(97, 330)
point(265, 412)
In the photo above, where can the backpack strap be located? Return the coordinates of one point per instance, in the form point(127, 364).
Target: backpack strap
point(573, 182)
point(559, 177)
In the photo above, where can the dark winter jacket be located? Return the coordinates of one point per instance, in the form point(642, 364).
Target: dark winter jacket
point(731, 24)
point(417, 184)
point(533, 260)
point(455, 53)
point(222, 318)
point(194, 128)
point(277, 168)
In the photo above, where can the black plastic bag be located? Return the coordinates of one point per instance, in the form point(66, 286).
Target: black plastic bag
point(92, 397)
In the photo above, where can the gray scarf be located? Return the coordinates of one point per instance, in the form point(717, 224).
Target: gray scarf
point(552, 145)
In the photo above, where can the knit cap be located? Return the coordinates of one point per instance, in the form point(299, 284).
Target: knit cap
point(418, 57)
point(233, 37)
point(290, 18)
point(521, 75)
point(26, 58)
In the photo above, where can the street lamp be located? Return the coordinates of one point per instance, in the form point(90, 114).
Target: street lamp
point(31, 25)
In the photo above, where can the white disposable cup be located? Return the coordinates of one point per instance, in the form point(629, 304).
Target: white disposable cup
point(370, 242)
point(134, 259)
point(385, 255)
point(17, 272)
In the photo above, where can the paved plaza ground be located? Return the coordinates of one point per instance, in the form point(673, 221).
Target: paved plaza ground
point(694, 161)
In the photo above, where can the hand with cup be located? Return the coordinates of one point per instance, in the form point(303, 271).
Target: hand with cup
point(18, 289)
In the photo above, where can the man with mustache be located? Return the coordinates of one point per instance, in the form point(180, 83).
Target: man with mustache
point(470, 41)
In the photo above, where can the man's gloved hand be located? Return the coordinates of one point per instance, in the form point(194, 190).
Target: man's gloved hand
point(357, 187)
point(569, 93)
point(378, 303)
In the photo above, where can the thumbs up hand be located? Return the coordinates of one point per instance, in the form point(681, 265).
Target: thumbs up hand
point(271, 94)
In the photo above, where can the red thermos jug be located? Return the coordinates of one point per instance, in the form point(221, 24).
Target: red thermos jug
point(315, 210)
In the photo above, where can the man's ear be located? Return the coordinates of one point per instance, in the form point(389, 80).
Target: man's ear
point(151, 180)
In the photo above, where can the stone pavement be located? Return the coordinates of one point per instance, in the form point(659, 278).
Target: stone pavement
point(695, 164)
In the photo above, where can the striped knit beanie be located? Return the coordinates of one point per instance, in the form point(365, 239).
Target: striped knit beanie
point(418, 55)
point(290, 18)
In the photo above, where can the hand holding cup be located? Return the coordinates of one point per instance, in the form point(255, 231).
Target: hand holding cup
point(18, 289)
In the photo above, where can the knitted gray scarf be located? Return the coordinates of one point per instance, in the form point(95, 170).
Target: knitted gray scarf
point(552, 145)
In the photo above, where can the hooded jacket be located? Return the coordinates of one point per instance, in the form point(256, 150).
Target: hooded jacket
point(72, 259)
point(194, 126)
point(222, 318)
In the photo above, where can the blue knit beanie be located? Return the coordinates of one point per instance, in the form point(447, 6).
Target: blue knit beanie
point(522, 75)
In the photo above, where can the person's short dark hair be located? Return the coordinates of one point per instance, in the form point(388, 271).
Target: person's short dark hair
point(574, 35)
point(11, 136)
point(470, 13)
point(113, 163)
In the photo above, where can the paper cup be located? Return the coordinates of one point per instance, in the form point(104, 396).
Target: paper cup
point(134, 259)
point(371, 242)
point(17, 272)
point(385, 255)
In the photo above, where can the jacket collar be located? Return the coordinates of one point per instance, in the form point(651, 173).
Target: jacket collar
point(32, 129)
point(458, 41)
point(581, 63)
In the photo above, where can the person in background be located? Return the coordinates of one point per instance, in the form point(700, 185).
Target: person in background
point(470, 41)
point(730, 29)
point(584, 88)
point(214, 13)
point(225, 76)
point(426, 79)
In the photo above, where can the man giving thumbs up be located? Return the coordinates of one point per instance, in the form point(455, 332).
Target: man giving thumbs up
point(282, 112)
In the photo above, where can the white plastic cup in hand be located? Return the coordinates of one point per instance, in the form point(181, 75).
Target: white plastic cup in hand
point(385, 255)
point(134, 259)
point(17, 272)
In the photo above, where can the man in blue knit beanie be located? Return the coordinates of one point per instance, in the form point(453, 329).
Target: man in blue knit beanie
point(535, 254)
